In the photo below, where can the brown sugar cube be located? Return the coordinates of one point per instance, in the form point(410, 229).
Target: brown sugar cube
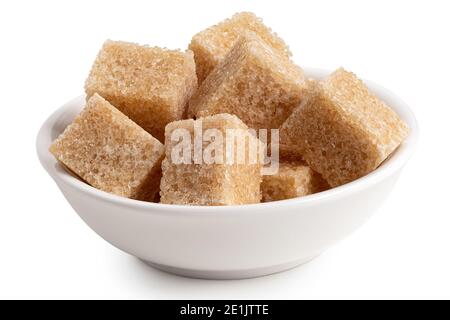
point(206, 182)
point(211, 45)
point(254, 83)
point(150, 85)
point(289, 153)
point(293, 179)
point(110, 152)
point(342, 130)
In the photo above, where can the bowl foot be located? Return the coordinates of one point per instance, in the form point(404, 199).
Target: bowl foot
point(229, 274)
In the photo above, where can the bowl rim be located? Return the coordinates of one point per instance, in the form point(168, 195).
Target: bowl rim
point(390, 166)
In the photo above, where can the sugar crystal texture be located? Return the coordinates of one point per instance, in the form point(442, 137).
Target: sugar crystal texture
point(293, 179)
point(254, 83)
point(150, 85)
point(211, 45)
point(110, 152)
point(214, 182)
point(342, 130)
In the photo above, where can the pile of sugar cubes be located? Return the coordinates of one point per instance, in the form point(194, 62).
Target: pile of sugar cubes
point(237, 75)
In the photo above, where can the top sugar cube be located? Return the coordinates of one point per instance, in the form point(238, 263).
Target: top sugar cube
point(253, 82)
point(150, 85)
point(342, 130)
point(211, 45)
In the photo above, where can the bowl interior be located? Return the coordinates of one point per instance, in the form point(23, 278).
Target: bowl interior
point(62, 117)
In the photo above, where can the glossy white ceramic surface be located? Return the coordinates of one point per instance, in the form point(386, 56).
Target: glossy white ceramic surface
point(228, 242)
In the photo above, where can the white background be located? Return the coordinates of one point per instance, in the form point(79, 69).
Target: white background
point(47, 48)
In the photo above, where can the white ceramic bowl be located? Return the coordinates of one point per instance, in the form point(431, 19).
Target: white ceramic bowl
point(228, 242)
